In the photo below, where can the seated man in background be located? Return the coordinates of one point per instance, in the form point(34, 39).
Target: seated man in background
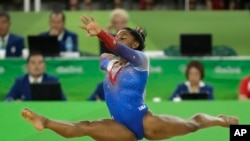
point(244, 91)
point(11, 43)
point(67, 40)
point(98, 94)
point(194, 73)
point(36, 74)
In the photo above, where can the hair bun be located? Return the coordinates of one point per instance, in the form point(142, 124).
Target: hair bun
point(141, 32)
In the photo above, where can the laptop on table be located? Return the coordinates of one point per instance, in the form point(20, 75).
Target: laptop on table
point(47, 45)
point(194, 96)
point(46, 92)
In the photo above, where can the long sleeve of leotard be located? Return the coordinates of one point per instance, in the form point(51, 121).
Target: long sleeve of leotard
point(104, 60)
point(135, 57)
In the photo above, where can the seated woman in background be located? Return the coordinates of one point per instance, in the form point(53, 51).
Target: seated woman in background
point(194, 84)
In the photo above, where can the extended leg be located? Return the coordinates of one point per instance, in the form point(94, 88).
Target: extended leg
point(163, 127)
point(104, 130)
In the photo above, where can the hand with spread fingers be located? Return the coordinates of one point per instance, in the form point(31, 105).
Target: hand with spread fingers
point(90, 26)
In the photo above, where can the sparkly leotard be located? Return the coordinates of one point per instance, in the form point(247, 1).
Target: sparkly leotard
point(124, 85)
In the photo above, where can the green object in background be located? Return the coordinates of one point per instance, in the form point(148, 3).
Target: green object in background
point(163, 27)
point(79, 77)
point(14, 128)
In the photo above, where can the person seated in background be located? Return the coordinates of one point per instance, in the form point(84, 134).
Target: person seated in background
point(118, 19)
point(244, 90)
point(98, 94)
point(221, 4)
point(146, 4)
point(194, 74)
point(67, 40)
point(11, 43)
point(36, 74)
point(73, 5)
point(88, 4)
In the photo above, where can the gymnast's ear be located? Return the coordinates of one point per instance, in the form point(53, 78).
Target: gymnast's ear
point(135, 45)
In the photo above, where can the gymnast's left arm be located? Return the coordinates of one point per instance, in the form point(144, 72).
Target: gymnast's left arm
point(135, 57)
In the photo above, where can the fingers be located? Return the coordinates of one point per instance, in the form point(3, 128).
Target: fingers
point(92, 19)
point(83, 27)
point(84, 19)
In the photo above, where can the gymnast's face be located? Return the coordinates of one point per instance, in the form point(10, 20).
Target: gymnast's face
point(124, 36)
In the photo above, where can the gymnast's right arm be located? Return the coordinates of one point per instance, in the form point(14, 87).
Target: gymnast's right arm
point(137, 58)
point(104, 60)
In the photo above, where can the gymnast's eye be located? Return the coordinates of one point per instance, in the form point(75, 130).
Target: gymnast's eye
point(123, 38)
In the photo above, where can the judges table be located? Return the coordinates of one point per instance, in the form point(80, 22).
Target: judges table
point(14, 128)
point(79, 77)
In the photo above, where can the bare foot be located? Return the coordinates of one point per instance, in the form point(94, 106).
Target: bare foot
point(229, 120)
point(36, 120)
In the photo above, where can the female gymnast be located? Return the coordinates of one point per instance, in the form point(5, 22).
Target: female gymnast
point(124, 87)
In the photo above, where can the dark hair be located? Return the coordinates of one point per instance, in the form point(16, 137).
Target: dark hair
point(139, 34)
point(34, 53)
point(58, 12)
point(6, 15)
point(198, 65)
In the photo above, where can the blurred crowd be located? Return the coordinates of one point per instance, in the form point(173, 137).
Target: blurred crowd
point(131, 4)
point(14, 44)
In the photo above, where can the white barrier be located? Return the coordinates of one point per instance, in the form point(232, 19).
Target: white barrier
point(27, 5)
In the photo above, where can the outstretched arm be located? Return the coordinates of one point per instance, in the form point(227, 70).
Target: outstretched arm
point(133, 56)
point(137, 58)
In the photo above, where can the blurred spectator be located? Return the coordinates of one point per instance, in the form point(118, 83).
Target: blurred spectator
point(146, 4)
point(74, 5)
point(192, 4)
point(110, 4)
point(118, 19)
point(11, 43)
point(67, 39)
point(36, 74)
point(117, 4)
point(88, 4)
point(98, 94)
point(194, 74)
point(244, 91)
point(221, 4)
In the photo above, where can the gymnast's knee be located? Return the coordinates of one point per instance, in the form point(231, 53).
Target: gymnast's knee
point(195, 122)
point(198, 118)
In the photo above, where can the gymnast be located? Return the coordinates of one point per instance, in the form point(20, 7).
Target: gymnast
point(124, 85)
